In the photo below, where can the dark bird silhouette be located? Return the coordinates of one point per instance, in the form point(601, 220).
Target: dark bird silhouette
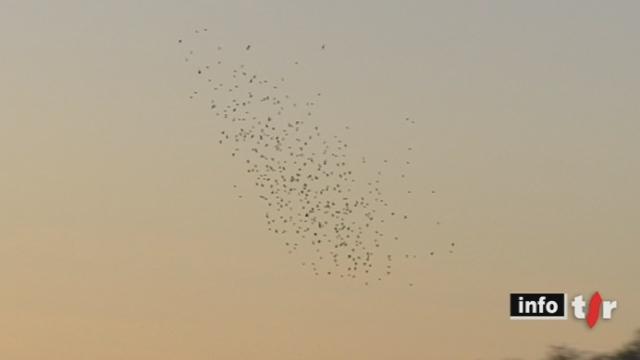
point(316, 199)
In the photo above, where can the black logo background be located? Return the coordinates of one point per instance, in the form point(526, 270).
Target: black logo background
point(559, 298)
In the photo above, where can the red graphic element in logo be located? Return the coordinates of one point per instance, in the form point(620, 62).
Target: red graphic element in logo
point(594, 309)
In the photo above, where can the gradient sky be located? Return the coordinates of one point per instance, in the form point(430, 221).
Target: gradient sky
point(121, 237)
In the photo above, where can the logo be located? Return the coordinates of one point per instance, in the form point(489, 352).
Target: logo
point(538, 306)
point(595, 304)
point(553, 306)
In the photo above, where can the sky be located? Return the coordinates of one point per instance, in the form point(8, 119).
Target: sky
point(121, 236)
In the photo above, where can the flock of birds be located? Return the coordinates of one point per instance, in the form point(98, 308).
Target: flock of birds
point(314, 199)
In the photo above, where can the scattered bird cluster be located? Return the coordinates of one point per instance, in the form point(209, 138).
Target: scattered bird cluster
point(314, 199)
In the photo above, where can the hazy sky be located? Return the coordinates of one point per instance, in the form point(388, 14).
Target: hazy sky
point(121, 237)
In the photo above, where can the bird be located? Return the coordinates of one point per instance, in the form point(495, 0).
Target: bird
point(324, 210)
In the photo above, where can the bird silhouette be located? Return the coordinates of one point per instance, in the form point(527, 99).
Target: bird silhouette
point(316, 194)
